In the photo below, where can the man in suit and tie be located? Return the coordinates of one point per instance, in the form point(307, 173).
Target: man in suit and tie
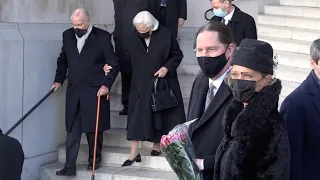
point(170, 13)
point(240, 23)
point(210, 96)
point(85, 50)
point(301, 110)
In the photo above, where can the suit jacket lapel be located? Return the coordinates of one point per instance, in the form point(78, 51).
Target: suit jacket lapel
point(89, 41)
point(74, 44)
point(220, 97)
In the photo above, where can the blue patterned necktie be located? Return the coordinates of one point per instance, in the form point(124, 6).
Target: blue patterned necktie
point(163, 3)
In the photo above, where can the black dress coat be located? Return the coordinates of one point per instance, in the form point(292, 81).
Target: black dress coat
point(255, 144)
point(11, 158)
point(125, 11)
point(301, 110)
point(208, 127)
point(86, 76)
point(175, 9)
point(163, 51)
point(241, 24)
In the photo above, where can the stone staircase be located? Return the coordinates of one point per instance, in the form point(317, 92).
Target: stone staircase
point(290, 28)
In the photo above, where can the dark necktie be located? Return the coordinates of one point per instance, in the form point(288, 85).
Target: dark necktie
point(210, 94)
point(163, 3)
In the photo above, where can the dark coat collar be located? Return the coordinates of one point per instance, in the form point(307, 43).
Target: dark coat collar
point(244, 123)
point(313, 84)
point(0, 131)
point(237, 15)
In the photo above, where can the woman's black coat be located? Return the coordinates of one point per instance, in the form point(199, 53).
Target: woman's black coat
point(163, 51)
point(255, 144)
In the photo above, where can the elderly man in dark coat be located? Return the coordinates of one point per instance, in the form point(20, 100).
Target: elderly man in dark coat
point(301, 110)
point(11, 158)
point(240, 23)
point(86, 49)
point(125, 10)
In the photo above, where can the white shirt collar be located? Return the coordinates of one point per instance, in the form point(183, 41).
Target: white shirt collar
point(217, 83)
point(228, 17)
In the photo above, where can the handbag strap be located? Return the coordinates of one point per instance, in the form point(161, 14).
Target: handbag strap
point(155, 83)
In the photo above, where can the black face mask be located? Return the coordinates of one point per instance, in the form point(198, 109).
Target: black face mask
point(242, 90)
point(211, 66)
point(80, 32)
point(144, 35)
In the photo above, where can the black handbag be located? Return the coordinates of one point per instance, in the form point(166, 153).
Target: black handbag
point(163, 99)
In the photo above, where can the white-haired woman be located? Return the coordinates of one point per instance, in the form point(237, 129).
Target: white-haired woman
point(154, 53)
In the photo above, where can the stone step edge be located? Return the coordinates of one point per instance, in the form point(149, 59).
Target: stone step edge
point(291, 17)
point(288, 28)
point(110, 172)
point(117, 155)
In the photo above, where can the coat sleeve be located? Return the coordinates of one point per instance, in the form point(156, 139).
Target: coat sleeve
point(175, 56)
point(112, 60)
point(208, 162)
point(251, 29)
point(293, 116)
point(62, 64)
point(183, 9)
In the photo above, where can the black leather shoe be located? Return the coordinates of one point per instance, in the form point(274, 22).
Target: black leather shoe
point(123, 112)
point(66, 172)
point(155, 153)
point(90, 166)
point(129, 163)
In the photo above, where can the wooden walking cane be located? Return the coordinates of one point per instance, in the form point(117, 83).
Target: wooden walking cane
point(96, 137)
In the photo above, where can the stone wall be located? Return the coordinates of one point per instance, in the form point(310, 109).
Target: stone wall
point(30, 42)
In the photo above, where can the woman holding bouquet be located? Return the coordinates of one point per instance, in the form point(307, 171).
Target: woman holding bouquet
point(155, 54)
point(255, 144)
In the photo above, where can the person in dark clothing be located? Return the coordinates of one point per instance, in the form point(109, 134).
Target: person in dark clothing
point(255, 144)
point(210, 96)
point(125, 10)
point(170, 13)
point(85, 51)
point(11, 158)
point(155, 54)
point(241, 24)
point(301, 110)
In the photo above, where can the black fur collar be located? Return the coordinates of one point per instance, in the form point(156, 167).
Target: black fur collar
point(243, 123)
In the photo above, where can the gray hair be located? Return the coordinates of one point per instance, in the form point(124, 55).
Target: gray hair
point(81, 11)
point(146, 18)
point(315, 50)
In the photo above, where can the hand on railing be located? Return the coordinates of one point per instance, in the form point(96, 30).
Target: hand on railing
point(55, 86)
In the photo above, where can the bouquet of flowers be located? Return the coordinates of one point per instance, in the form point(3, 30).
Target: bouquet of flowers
point(179, 153)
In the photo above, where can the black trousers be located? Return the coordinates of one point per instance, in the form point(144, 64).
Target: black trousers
point(73, 142)
point(126, 85)
point(163, 16)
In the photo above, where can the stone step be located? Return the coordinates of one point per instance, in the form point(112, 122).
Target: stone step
point(307, 3)
point(289, 21)
point(116, 156)
point(288, 45)
point(291, 74)
point(117, 137)
point(293, 59)
point(299, 11)
point(107, 173)
point(288, 32)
